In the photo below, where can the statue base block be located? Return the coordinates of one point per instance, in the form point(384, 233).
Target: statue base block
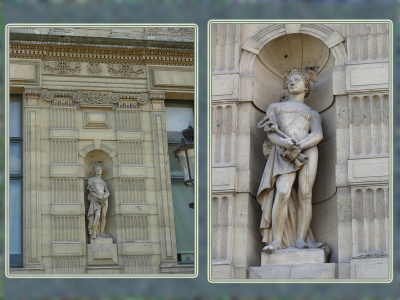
point(292, 256)
point(102, 252)
point(296, 271)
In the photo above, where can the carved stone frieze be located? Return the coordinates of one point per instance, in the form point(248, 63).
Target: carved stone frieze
point(142, 57)
point(95, 97)
point(125, 70)
point(61, 67)
point(94, 68)
point(130, 100)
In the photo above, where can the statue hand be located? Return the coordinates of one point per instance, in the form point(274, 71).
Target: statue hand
point(289, 143)
point(294, 153)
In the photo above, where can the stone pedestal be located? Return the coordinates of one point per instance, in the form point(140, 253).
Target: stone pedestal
point(292, 263)
point(102, 252)
point(293, 256)
point(296, 271)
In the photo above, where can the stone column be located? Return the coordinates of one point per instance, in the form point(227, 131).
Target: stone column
point(32, 200)
point(163, 182)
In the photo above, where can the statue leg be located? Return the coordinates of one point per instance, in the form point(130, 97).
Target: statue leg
point(95, 230)
point(103, 217)
point(283, 187)
point(306, 178)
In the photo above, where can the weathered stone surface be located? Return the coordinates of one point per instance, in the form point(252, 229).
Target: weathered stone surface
point(292, 256)
point(298, 271)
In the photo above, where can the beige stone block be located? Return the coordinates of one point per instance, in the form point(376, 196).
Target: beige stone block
point(135, 209)
point(345, 240)
point(136, 248)
point(95, 134)
point(300, 271)
point(64, 134)
point(291, 256)
point(343, 270)
point(67, 209)
point(67, 249)
point(167, 78)
point(368, 170)
point(24, 72)
point(370, 268)
point(134, 136)
point(64, 171)
point(225, 87)
point(104, 270)
point(132, 171)
point(221, 271)
point(367, 77)
point(102, 251)
point(223, 179)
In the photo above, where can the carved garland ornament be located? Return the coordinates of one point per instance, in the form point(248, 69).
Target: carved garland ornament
point(126, 70)
point(92, 97)
point(62, 67)
point(94, 68)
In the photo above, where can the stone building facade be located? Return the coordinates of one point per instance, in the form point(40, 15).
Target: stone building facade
point(90, 96)
point(351, 199)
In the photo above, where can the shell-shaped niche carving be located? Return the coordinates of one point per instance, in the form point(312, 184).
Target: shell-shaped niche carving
point(98, 157)
point(287, 52)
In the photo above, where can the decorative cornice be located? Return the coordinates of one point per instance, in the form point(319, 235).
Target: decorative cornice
point(103, 42)
point(170, 33)
point(109, 56)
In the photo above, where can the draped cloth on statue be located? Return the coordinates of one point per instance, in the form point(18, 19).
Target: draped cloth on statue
point(277, 165)
point(94, 205)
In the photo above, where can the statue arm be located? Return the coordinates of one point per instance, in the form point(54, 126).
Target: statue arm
point(107, 193)
point(268, 123)
point(315, 136)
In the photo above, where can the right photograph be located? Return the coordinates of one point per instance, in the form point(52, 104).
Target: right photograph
point(301, 151)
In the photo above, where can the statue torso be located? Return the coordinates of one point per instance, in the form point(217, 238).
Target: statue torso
point(293, 118)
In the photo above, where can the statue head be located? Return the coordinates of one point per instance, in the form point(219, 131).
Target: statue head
point(98, 169)
point(303, 79)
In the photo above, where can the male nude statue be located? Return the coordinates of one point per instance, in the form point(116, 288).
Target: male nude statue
point(98, 199)
point(294, 131)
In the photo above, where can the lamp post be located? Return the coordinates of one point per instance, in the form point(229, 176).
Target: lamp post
point(185, 154)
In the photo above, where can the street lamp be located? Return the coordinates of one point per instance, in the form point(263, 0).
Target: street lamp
point(185, 154)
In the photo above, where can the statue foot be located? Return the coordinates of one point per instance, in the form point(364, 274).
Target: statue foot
point(93, 236)
point(300, 244)
point(271, 247)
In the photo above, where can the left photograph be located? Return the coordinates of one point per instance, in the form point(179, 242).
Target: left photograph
point(101, 150)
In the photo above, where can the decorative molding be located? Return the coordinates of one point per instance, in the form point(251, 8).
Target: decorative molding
point(95, 97)
point(126, 70)
point(33, 92)
point(24, 72)
point(62, 31)
point(91, 97)
point(61, 67)
point(157, 96)
point(113, 56)
point(94, 68)
point(170, 33)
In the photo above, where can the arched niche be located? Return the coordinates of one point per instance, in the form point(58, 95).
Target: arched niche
point(101, 157)
point(267, 56)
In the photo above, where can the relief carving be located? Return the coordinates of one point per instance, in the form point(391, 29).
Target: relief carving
point(94, 68)
point(62, 67)
point(125, 70)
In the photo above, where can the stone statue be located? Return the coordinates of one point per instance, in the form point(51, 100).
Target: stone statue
point(294, 131)
point(98, 199)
